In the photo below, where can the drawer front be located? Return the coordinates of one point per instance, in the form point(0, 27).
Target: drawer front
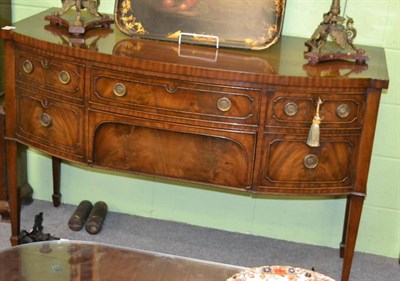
point(55, 75)
point(298, 110)
point(287, 161)
point(47, 123)
point(178, 98)
point(198, 155)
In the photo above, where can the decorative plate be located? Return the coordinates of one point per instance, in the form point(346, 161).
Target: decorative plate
point(246, 24)
point(278, 273)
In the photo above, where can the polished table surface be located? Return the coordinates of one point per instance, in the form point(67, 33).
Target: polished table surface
point(84, 261)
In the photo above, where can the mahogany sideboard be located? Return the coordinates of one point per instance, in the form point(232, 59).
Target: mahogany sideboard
point(228, 118)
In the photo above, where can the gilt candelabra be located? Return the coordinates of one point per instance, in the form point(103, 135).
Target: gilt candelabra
point(342, 33)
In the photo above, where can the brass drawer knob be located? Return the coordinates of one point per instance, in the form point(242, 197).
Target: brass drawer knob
point(343, 110)
point(224, 104)
point(310, 161)
point(64, 77)
point(27, 66)
point(45, 120)
point(291, 109)
point(119, 90)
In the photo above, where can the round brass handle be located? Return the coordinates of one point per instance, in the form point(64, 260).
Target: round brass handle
point(310, 161)
point(291, 109)
point(119, 90)
point(343, 110)
point(224, 104)
point(64, 77)
point(45, 120)
point(27, 66)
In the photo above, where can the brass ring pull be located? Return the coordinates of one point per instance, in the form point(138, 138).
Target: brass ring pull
point(27, 66)
point(119, 90)
point(64, 77)
point(45, 120)
point(291, 109)
point(224, 104)
point(343, 110)
point(310, 161)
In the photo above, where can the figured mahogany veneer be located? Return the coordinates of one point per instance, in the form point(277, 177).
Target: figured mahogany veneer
point(226, 118)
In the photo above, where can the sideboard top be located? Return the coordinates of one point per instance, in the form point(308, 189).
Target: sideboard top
point(283, 61)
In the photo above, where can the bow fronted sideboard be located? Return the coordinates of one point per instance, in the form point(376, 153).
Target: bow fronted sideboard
point(228, 118)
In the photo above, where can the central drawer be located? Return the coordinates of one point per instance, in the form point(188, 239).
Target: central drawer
point(174, 97)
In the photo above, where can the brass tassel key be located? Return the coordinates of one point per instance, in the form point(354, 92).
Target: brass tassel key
point(313, 135)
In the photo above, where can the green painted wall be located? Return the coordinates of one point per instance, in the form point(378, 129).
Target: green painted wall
point(313, 221)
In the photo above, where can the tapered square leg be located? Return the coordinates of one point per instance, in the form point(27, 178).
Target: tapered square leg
point(354, 210)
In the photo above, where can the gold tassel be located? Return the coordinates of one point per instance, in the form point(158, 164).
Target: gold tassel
point(313, 135)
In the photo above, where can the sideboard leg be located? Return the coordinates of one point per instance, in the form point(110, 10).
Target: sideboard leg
point(56, 181)
point(4, 206)
point(25, 188)
point(14, 200)
point(346, 219)
point(355, 204)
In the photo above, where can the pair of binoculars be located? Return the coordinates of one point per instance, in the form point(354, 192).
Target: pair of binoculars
point(92, 215)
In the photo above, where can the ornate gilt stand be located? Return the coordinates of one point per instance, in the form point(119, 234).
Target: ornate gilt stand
point(78, 21)
point(341, 31)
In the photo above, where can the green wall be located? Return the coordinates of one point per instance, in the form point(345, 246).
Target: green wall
point(313, 221)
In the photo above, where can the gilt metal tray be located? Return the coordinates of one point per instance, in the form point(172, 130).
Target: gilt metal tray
point(245, 24)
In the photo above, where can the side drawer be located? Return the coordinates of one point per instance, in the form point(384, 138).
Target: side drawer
point(298, 110)
point(53, 74)
point(288, 162)
point(200, 155)
point(46, 123)
point(173, 97)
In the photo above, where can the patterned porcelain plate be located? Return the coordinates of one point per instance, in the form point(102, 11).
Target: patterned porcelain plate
point(278, 273)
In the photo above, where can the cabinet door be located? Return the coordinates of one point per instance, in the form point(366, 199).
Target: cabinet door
point(183, 152)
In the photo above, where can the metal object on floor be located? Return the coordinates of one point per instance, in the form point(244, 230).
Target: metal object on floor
point(80, 215)
point(96, 217)
point(36, 233)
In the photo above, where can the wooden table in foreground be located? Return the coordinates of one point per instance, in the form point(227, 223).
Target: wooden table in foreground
point(85, 261)
point(226, 118)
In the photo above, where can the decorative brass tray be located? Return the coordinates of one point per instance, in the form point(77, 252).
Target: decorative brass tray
point(246, 24)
